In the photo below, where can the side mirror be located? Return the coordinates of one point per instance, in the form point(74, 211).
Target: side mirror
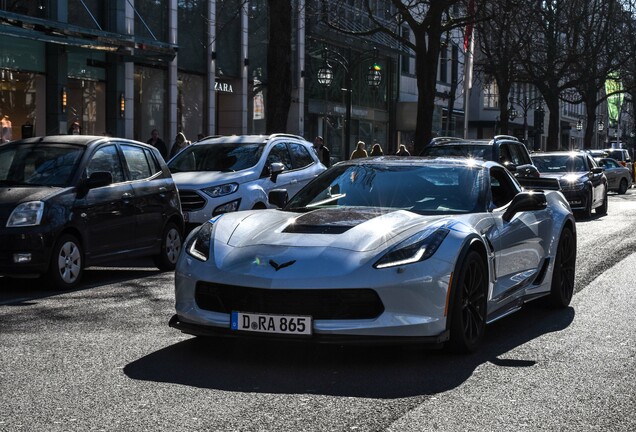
point(510, 167)
point(275, 169)
point(278, 197)
point(99, 179)
point(525, 201)
point(597, 170)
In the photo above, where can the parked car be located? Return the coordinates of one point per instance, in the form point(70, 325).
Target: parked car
point(229, 173)
point(71, 201)
point(582, 181)
point(619, 179)
point(386, 249)
point(622, 156)
point(505, 149)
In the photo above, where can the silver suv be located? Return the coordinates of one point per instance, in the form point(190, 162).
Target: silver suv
point(230, 173)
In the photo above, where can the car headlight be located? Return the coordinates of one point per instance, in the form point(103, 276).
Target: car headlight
point(199, 244)
point(221, 190)
point(26, 214)
point(414, 249)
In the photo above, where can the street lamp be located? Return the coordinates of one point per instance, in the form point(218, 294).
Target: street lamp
point(512, 112)
point(325, 77)
point(579, 125)
point(601, 126)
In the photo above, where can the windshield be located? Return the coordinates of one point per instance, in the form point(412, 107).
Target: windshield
point(559, 163)
point(475, 151)
point(225, 157)
point(38, 164)
point(434, 189)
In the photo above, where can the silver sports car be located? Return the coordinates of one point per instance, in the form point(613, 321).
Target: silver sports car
point(380, 249)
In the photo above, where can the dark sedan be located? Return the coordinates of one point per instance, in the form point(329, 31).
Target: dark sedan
point(582, 181)
point(68, 202)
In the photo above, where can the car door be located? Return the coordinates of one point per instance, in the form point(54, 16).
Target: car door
point(598, 179)
point(304, 166)
point(287, 179)
point(518, 243)
point(150, 190)
point(612, 172)
point(107, 212)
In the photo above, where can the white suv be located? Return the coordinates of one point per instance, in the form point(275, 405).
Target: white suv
point(230, 173)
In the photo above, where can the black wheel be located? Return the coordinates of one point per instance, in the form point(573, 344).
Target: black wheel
point(562, 287)
point(602, 210)
point(468, 315)
point(67, 263)
point(171, 243)
point(622, 188)
point(259, 206)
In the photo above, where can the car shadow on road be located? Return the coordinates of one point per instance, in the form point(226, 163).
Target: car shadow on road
point(353, 371)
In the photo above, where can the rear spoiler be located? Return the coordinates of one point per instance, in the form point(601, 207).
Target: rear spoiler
point(539, 183)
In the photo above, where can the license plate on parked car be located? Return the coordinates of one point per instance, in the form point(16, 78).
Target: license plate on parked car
point(264, 323)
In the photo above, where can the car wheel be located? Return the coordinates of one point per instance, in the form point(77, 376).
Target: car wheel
point(468, 315)
point(67, 264)
point(622, 188)
point(602, 210)
point(562, 287)
point(171, 243)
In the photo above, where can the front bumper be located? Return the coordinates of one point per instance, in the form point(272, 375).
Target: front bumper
point(576, 198)
point(208, 331)
point(35, 243)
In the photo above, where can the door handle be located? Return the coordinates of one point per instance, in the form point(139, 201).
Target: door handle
point(126, 196)
point(162, 189)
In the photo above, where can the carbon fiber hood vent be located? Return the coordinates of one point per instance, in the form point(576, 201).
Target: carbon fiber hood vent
point(332, 221)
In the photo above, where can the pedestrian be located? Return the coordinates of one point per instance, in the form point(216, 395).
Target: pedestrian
point(75, 128)
point(376, 150)
point(180, 142)
point(158, 143)
point(322, 151)
point(359, 152)
point(402, 151)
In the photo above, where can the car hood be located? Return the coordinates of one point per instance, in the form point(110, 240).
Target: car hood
point(201, 179)
point(354, 229)
point(566, 177)
point(14, 195)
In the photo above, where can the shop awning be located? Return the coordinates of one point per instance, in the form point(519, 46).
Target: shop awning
point(131, 47)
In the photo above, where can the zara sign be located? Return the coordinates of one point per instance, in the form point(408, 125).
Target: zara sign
point(223, 87)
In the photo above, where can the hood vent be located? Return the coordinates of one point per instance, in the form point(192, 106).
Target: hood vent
point(333, 220)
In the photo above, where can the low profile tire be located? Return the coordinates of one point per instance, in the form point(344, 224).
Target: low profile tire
point(171, 244)
point(562, 287)
point(468, 315)
point(602, 210)
point(622, 187)
point(67, 263)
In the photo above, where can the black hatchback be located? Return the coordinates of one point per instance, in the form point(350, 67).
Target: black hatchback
point(71, 201)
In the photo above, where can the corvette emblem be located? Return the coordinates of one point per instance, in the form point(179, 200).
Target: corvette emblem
point(280, 266)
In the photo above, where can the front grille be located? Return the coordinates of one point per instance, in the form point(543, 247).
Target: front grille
point(319, 303)
point(191, 201)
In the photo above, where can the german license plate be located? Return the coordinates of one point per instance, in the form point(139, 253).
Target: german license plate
point(265, 323)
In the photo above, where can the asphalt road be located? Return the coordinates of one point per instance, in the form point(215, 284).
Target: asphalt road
point(103, 358)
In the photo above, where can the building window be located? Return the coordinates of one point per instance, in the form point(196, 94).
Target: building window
point(491, 95)
point(190, 105)
point(155, 19)
point(150, 97)
point(406, 56)
point(443, 64)
point(80, 16)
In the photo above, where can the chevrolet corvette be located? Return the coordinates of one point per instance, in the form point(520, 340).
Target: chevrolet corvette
point(387, 249)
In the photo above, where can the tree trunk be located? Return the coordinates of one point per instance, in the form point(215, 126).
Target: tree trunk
point(554, 127)
point(279, 77)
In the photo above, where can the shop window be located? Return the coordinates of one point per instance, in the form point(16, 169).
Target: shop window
point(190, 105)
point(22, 104)
point(86, 105)
point(150, 97)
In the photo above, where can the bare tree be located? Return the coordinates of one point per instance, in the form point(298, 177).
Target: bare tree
point(428, 21)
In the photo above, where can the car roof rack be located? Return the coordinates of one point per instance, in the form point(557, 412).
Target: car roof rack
point(443, 139)
point(505, 137)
